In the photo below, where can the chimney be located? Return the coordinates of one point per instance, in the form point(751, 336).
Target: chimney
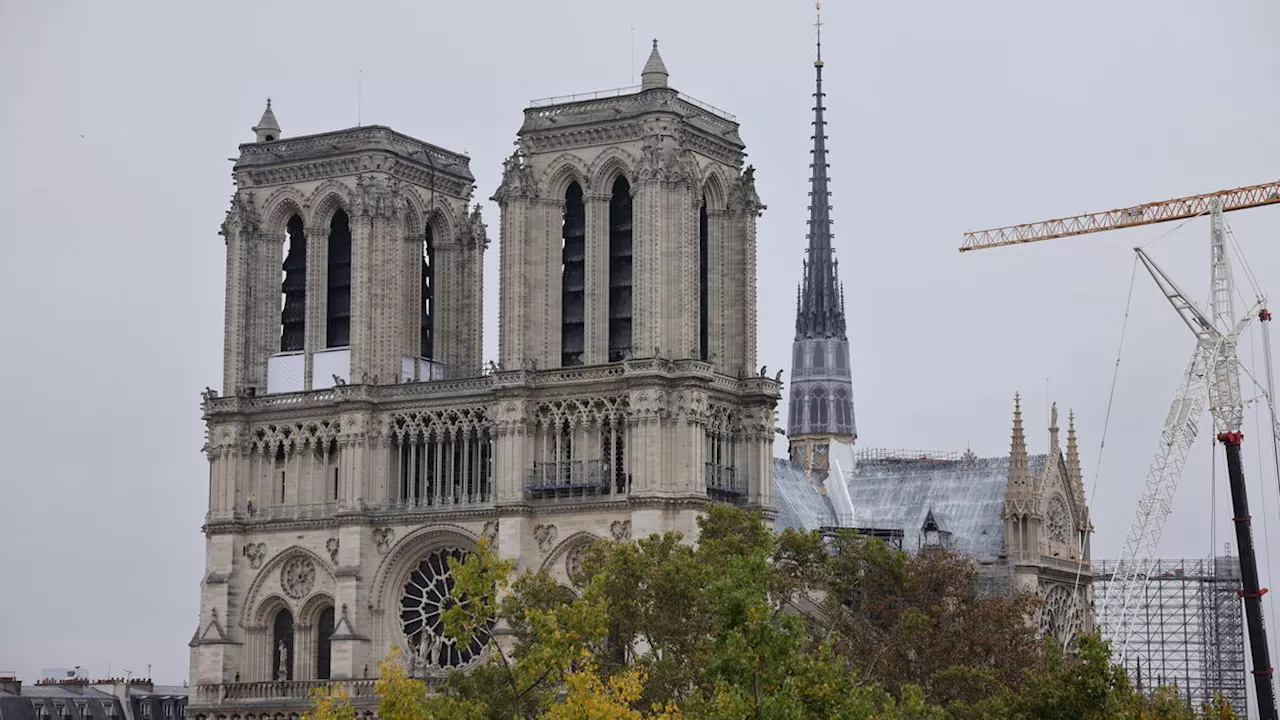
point(10, 683)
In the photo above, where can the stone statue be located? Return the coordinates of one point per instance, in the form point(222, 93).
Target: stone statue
point(282, 672)
point(436, 654)
point(1053, 416)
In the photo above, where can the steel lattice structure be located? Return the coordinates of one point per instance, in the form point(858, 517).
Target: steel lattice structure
point(1185, 629)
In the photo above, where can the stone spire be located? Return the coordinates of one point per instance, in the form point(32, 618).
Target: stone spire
point(268, 128)
point(1019, 473)
point(820, 313)
point(1075, 477)
point(1073, 450)
point(654, 74)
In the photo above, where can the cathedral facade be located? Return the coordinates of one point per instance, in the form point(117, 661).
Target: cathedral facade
point(359, 441)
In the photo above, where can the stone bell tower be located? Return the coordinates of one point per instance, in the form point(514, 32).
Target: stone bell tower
point(351, 257)
point(637, 232)
point(628, 246)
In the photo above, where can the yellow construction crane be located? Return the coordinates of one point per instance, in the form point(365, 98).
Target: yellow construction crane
point(1212, 375)
point(1156, 212)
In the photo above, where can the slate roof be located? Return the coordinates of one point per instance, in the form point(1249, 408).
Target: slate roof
point(966, 497)
point(49, 697)
point(15, 707)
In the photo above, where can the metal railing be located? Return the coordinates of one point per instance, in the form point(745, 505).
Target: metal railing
point(299, 691)
point(573, 478)
point(723, 479)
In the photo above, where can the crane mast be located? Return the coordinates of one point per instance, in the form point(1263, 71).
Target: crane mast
point(1213, 373)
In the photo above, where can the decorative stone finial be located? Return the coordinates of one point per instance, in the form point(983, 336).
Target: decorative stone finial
point(1018, 461)
point(654, 74)
point(267, 129)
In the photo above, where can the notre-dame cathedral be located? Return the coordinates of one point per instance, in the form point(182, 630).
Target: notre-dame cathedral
point(360, 439)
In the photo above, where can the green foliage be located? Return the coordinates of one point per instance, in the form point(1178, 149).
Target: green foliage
point(753, 624)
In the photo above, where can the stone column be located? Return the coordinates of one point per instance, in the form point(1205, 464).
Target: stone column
point(543, 283)
point(264, 314)
point(237, 346)
point(596, 266)
point(350, 645)
point(645, 273)
point(218, 650)
point(516, 240)
point(511, 456)
point(317, 302)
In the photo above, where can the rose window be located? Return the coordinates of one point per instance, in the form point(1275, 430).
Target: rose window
point(1058, 519)
point(1060, 618)
point(426, 597)
point(297, 577)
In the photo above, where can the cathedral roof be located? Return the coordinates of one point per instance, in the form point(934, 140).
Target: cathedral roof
point(966, 497)
point(798, 502)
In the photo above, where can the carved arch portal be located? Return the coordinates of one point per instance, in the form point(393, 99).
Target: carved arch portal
point(559, 561)
point(562, 172)
point(326, 200)
point(609, 166)
point(258, 599)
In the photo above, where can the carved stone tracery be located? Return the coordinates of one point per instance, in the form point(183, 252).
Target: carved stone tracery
point(288, 439)
point(1059, 617)
point(298, 577)
point(426, 596)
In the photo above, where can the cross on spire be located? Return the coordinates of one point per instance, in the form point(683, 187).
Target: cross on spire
point(817, 6)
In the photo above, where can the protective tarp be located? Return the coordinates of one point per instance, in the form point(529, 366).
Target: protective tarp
point(966, 497)
point(285, 372)
point(843, 465)
point(799, 504)
point(328, 364)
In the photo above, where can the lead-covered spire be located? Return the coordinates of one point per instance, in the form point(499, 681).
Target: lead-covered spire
point(821, 391)
point(820, 312)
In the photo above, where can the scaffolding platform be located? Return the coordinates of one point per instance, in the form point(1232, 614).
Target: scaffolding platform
point(1188, 630)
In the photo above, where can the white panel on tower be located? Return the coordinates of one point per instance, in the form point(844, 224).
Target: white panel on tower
point(285, 372)
point(328, 364)
point(429, 370)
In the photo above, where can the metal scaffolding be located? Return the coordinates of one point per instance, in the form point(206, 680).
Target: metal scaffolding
point(1188, 629)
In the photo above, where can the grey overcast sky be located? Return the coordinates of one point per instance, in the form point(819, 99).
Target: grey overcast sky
point(119, 118)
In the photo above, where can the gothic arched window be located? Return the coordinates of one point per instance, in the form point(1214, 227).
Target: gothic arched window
point(282, 646)
point(818, 408)
point(620, 270)
point(843, 419)
point(703, 309)
point(324, 643)
point(573, 276)
point(797, 409)
point(428, 321)
point(338, 308)
point(293, 287)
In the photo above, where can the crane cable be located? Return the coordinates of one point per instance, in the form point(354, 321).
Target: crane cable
point(1106, 422)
